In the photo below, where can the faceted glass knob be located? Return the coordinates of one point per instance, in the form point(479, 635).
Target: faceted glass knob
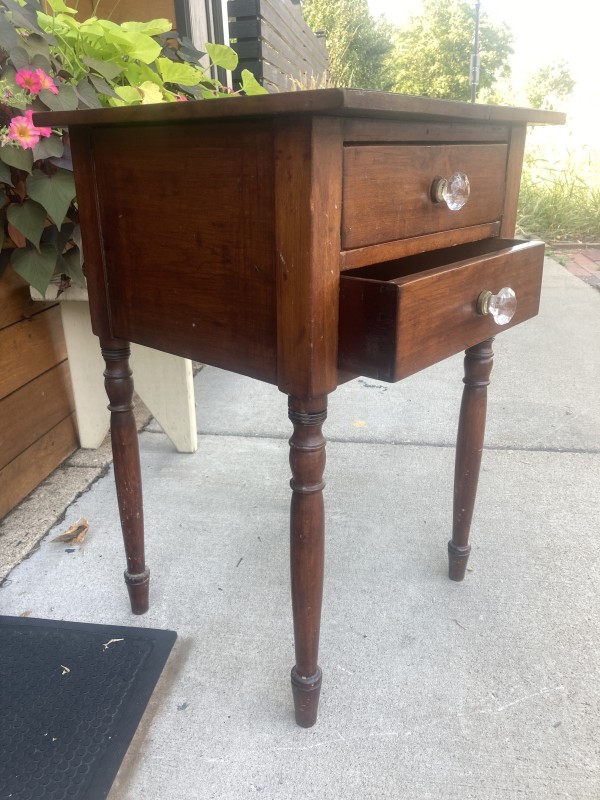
point(501, 306)
point(453, 191)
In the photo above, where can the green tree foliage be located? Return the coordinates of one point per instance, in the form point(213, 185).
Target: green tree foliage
point(550, 86)
point(431, 55)
point(358, 44)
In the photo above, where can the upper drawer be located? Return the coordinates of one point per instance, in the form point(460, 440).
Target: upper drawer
point(387, 190)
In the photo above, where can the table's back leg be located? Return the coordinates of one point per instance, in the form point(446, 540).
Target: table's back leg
point(123, 431)
point(307, 528)
point(469, 446)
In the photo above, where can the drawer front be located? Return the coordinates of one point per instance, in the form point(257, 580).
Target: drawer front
point(387, 190)
point(396, 324)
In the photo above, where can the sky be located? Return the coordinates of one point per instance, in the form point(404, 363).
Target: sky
point(544, 32)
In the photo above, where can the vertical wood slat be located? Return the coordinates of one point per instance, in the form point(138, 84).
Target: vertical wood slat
point(15, 300)
point(278, 46)
point(37, 424)
point(25, 472)
point(30, 348)
point(31, 411)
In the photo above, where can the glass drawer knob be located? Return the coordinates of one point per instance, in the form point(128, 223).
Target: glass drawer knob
point(501, 306)
point(453, 191)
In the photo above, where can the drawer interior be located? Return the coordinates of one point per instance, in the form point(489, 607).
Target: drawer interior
point(398, 270)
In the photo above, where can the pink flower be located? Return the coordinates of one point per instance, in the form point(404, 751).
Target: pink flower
point(23, 131)
point(42, 131)
point(46, 81)
point(181, 98)
point(28, 80)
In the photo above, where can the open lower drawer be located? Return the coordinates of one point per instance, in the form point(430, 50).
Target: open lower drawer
point(399, 317)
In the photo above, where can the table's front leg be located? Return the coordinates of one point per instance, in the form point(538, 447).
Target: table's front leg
point(123, 432)
point(307, 524)
point(469, 447)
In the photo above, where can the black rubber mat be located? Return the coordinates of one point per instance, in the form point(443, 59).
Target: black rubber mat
point(71, 698)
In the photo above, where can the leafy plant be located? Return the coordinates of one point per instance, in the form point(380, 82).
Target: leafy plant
point(560, 198)
point(431, 54)
point(357, 43)
point(51, 61)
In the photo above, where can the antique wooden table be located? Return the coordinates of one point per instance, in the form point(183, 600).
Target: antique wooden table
point(303, 239)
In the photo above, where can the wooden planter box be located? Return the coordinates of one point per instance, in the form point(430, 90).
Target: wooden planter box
point(37, 421)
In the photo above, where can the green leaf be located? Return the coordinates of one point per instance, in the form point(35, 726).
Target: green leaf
point(152, 28)
point(54, 193)
point(20, 58)
point(172, 72)
point(51, 147)
point(250, 85)
point(17, 157)
point(29, 219)
point(65, 100)
point(101, 86)
point(5, 176)
point(129, 94)
point(36, 267)
point(9, 37)
point(222, 56)
point(87, 94)
point(151, 93)
point(71, 264)
point(59, 5)
point(22, 17)
point(131, 43)
point(36, 45)
point(104, 68)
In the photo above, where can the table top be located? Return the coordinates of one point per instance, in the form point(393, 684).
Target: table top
point(328, 102)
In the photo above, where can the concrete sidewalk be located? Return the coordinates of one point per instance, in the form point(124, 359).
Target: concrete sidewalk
point(482, 690)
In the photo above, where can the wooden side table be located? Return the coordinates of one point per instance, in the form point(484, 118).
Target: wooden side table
point(303, 239)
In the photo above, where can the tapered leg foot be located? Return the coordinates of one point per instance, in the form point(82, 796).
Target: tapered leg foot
point(469, 447)
point(457, 561)
point(128, 480)
point(307, 534)
point(138, 587)
point(306, 692)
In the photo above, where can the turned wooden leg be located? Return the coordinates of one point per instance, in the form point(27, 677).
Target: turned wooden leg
point(307, 528)
point(469, 446)
point(123, 432)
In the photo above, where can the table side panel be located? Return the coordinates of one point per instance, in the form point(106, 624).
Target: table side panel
point(387, 188)
point(186, 215)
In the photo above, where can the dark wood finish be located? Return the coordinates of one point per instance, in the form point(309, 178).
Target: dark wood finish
point(25, 472)
point(123, 432)
point(214, 230)
point(514, 165)
point(390, 251)
point(469, 447)
point(211, 278)
point(387, 190)
point(380, 131)
point(307, 176)
point(400, 317)
point(336, 102)
point(307, 544)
